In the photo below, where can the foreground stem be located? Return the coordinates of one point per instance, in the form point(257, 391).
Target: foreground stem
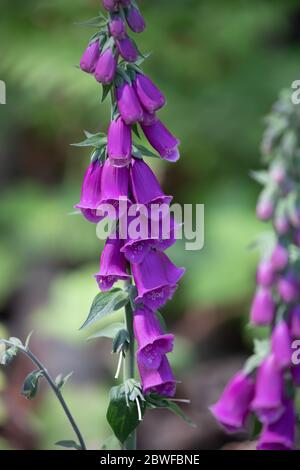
point(130, 443)
point(55, 389)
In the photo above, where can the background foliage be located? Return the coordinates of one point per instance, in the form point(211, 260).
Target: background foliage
point(221, 65)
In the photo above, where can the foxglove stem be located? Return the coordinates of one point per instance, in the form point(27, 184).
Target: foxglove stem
point(130, 443)
point(54, 387)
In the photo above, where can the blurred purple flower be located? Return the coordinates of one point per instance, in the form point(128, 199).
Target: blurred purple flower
point(263, 307)
point(128, 104)
point(279, 258)
point(281, 344)
point(127, 49)
point(112, 265)
point(162, 140)
point(288, 288)
point(135, 20)
point(91, 193)
point(281, 434)
point(106, 67)
point(117, 27)
point(149, 95)
point(232, 408)
point(90, 57)
point(265, 274)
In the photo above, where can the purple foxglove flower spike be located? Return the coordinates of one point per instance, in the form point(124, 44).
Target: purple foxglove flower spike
point(153, 344)
point(144, 186)
point(160, 381)
point(156, 279)
point(149, 95)
point(90, 57)
point(265, 274)
point(119, 145)
point(117, 28)
point(279, 258)
point(267, 402)
point(160, 235)
point(295, 321)
point(232, 408)
point(91, 193)
point(135, 20)
point(281, 434)
point(281, 344)
point(263, 307)
point(115, 184)
point(106, 67)
point(112, 265)
point(110, 5)
point(288, 288)
point(162, 140)
point(128, 104)
point(127, 49)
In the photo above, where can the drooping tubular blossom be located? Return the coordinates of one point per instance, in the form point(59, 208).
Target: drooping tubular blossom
point(144, 186)
point(295, 321)
point(128, 104)
point(127, 49)
point(159, 234)
point(90, 57)
point(110, 5)
point(149, 95)
point(265, 274)
point(265, 208)
point(117, 27)
point(156, 279)
point(91, 193)
point(281, 344)
point(113, 266)
point(106, 67)
point(135, 20)
point(267, 402)
point(114, 191)
point(153, 344)
point(233, 406)
point(281, 434)
point(288, 288)
point(162, 140)
point(263, 307)
point(279, 258)
point(119, 143)
point(160, 381)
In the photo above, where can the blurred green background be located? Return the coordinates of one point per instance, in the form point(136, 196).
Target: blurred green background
point(221, 65)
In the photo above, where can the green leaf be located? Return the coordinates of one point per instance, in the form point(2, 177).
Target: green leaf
point(15, 341)
point(162, 321)
point(106, 303)
point(97, 21)
point(68, 445)
point(105, 91)
point(122, 415)
point(144, 151)
point(261, 350)
point(109, 331)
point(261, 177)
point(94, 140)
point(156, 401)
point(135, 129)
point(8, 355)
point(121, 341)
point(31, 384)
point(61, 379)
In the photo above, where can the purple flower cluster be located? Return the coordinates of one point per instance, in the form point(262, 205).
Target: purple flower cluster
point(114, 184)
point(267, 388)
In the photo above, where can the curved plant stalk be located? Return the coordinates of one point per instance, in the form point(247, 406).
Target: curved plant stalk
point(53, 385)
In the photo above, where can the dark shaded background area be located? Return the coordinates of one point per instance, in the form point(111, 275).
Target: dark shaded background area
point(221, 65)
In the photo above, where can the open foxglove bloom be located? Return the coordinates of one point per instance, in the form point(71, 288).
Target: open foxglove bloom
point(114, 193)
point(267, 402)
point(135, 20)
point(106, 67)
point(128, 104)
point(113, 266)
point(159, 234)
point(233, 407)
point(281, 344)
point(156, 279)
point(119, 143)
point(281, 434)
point(127, 49)
point(159, 380)
point(162, 140)
point(144, 186)
point(153, 344)
point(263, 307)
point(90, 57)
point(91, 193)
point(149, 95)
